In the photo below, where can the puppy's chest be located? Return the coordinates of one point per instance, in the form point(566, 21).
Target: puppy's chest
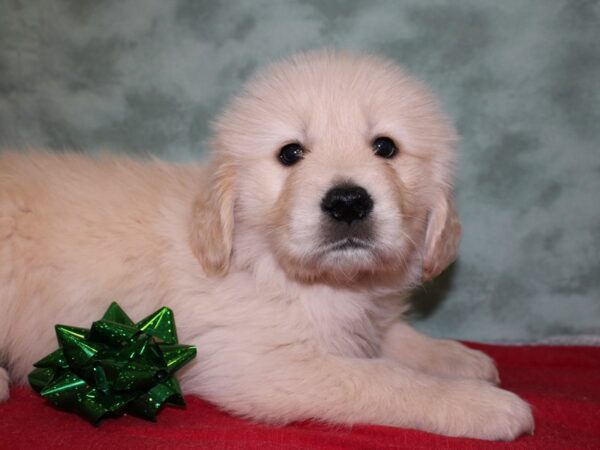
point(343, 328)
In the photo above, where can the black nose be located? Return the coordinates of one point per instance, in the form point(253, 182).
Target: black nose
point(347, 203)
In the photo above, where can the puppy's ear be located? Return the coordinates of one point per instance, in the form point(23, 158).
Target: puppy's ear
point(212, 219)
point(442, 238)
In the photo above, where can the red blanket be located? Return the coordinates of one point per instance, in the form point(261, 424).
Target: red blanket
point(562, 384)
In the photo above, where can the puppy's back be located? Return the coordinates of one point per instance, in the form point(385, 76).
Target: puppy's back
point(51, 198)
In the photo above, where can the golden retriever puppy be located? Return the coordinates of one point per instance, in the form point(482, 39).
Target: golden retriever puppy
point(286, 259)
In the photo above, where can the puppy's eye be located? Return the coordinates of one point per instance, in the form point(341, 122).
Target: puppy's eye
point(290, 154)
point(384, 147)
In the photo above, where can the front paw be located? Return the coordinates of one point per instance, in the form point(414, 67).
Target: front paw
point(454, 359)
point(478, 410)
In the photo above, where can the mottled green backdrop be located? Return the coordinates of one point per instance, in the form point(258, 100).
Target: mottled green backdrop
point(520, 78)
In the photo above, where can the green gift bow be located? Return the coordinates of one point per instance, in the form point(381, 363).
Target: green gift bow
point(115, 367)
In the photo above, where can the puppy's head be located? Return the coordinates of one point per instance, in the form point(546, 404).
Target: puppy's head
point(340, 166)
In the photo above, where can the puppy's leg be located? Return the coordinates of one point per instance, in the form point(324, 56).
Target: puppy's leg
point(436, 356)
point(282, 387)
point(4, 385)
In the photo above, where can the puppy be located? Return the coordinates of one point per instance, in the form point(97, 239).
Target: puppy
point(286, 259)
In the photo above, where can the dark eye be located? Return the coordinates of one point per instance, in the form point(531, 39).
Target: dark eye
point(383, 146)
point(290, 154)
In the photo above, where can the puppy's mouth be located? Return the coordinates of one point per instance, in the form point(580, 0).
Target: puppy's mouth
point(345, 244)
point(343, 239)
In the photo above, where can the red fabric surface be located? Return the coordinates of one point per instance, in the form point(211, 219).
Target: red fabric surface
point(561, 383)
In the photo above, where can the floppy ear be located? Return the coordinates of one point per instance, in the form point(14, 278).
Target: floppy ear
point(442, 238)
point(212, 219)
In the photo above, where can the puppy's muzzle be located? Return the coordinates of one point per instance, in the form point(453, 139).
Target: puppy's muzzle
point(347, 203)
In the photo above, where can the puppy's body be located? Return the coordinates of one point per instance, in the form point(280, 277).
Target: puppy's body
point(289, 325)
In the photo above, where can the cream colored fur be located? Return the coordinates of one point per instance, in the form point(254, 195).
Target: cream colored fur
point(284, 331)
